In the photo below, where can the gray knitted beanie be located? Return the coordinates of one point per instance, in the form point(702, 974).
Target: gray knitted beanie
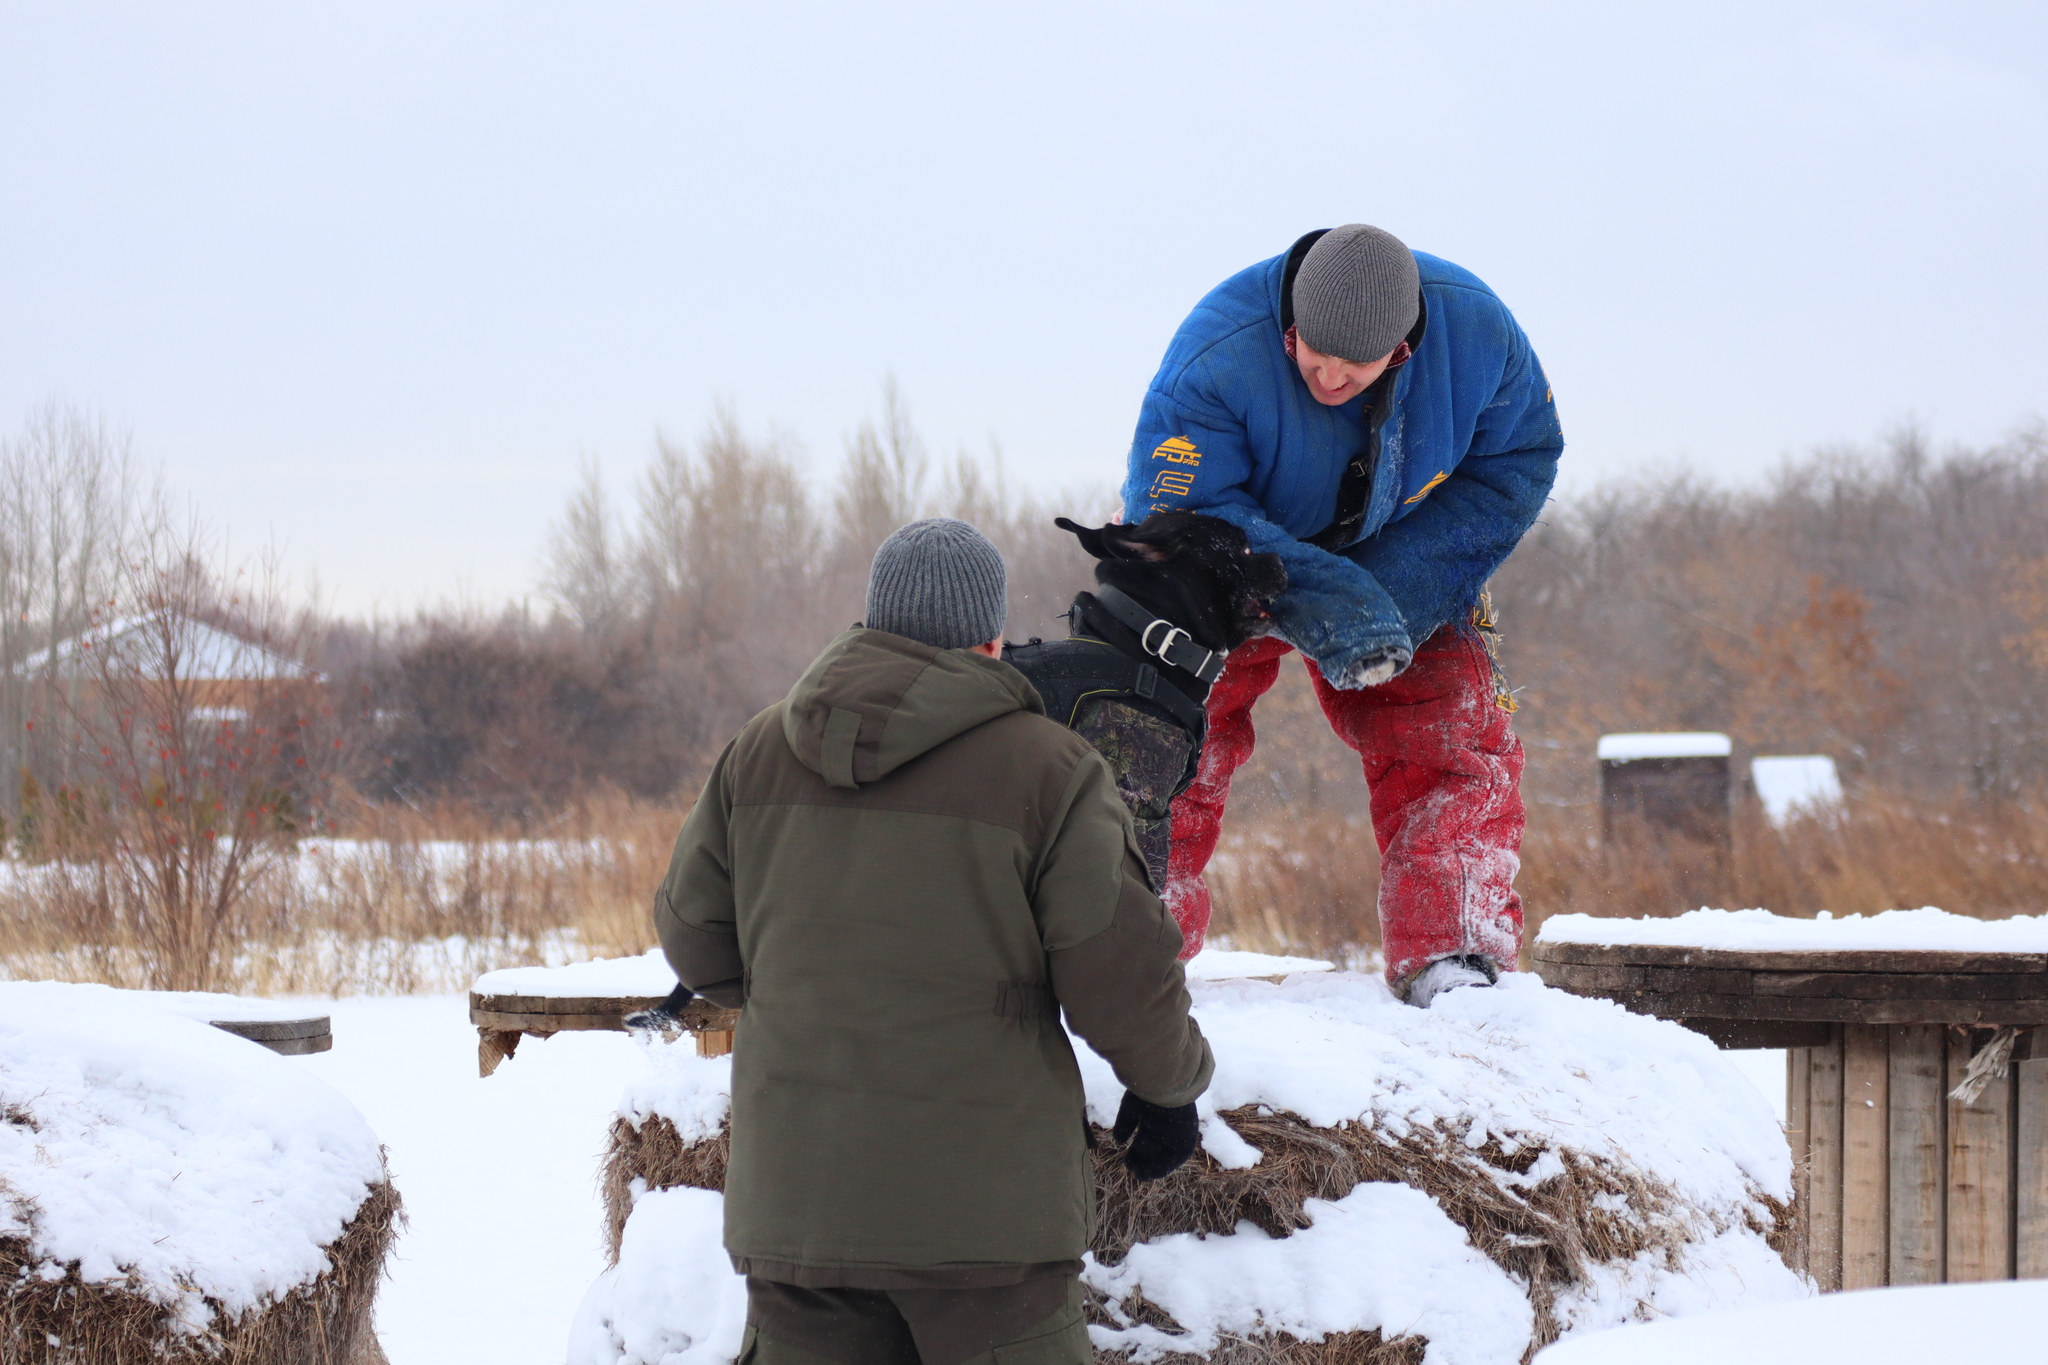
point(1357, 293)
point(938, 582)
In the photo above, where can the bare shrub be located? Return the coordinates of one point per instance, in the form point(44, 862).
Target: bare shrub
point(202, 750)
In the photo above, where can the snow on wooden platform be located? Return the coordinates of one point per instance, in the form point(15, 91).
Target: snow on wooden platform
point(1521, 1064)
point(650, 975)
point(145, 1147)
point(1924, 930)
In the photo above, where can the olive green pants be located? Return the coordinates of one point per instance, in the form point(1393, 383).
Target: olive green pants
point(1038, 1322)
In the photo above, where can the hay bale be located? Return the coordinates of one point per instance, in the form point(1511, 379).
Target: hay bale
point(172, 1193)
point(1487, 1176)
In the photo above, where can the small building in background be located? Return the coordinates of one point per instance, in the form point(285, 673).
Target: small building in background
point(1676, 783)
point(1665, 797)
point(1795, 784)
point(218, 675)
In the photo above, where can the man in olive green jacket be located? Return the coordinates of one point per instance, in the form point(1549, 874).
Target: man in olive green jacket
point(905, 873)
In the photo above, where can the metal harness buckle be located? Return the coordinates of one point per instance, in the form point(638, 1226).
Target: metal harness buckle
point(1166, 647)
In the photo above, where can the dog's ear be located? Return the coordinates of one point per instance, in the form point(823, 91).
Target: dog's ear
point(1091, 540)
point(1113, 541)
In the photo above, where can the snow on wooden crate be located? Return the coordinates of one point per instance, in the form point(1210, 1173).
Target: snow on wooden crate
point(170, 1193)
point(1377, 1183)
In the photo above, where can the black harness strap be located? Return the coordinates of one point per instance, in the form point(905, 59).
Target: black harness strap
point(1067, 672)
point(1161, 638)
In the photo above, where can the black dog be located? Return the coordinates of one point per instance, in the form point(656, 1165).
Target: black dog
point(1176, 593)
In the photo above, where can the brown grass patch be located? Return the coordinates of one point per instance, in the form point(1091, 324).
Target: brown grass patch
point(326, 1322)
point(1549, 1233)
point(409, 903)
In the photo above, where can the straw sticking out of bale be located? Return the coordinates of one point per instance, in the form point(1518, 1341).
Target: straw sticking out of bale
point(1550, 1231)
point(56, 1319)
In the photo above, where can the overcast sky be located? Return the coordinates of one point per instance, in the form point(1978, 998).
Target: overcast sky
point(369, 277)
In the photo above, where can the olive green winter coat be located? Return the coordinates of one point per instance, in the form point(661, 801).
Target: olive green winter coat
point(906, 872)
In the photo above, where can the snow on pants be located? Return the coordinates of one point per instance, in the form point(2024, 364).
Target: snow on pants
point(1445, 773)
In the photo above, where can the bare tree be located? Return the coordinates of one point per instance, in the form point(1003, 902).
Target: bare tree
point(71, 499)
point(586, 572)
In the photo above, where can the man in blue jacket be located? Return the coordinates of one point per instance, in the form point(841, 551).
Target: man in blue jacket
point(1375, 417)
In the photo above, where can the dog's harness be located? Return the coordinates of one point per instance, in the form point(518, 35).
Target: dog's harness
point(1160, 637)
point(1079, 669)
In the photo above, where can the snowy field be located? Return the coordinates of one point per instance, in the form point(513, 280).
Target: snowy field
point(499, 1174)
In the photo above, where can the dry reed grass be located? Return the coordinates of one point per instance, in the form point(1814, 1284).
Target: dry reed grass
point(326, 1322)
point(1549, 1233)
point(1297, 869)
point(411, 902)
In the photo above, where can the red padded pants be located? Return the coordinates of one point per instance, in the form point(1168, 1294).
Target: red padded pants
point(1445, 773)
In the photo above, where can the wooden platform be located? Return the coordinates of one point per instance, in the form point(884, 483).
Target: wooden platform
point(1710, 988)
point(502, 1020)
point(1898, 1181)
point(291, 1037)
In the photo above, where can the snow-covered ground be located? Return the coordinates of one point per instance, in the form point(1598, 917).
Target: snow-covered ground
point(499, 1175)
point(1981, 1324)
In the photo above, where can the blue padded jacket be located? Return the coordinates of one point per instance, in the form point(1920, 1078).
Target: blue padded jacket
point(1464, 456)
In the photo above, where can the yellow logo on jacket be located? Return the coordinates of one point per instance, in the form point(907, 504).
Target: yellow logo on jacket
point(1177, 450)
point(1426, 490)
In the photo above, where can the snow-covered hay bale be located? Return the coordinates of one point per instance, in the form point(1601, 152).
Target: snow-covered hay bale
point(174, 1194)
point(1377, 1183)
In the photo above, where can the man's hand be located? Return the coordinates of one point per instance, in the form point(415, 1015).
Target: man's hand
point(1370, 669)
point(1160, 1140)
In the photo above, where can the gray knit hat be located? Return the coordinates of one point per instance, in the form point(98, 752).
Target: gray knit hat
point(1357, 293)
point(939, 582)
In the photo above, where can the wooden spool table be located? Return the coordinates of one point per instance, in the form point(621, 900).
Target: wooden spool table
point(1899, 1182)
point(539, 1002)
point(290, 1037)
point(283, 1028)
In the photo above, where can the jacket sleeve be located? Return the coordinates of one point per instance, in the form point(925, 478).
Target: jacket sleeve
point(1434, 561)
point(1112, 951)
point(1334, 610)
point(693, 909)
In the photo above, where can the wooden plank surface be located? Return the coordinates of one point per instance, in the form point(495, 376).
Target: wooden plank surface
point(545, 1023)
point(1616, 981)
point(1979, 1176)
point(277, 1030)
point(2030, 1202)
point(564, 1004)
point(1918, 1150)
point(1848, 960)
point(1760, 1033)
point(1824, 1237)
point(1798, 1134)
point(1981, 1013)
point(1866, 1116)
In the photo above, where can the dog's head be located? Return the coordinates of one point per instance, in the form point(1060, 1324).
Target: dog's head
point(1198, 572)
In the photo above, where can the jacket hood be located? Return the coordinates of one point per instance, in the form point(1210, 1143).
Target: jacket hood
point(874, 701)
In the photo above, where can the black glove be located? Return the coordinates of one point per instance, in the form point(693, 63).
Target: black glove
point(665, 1017)
point(1161, 1139)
